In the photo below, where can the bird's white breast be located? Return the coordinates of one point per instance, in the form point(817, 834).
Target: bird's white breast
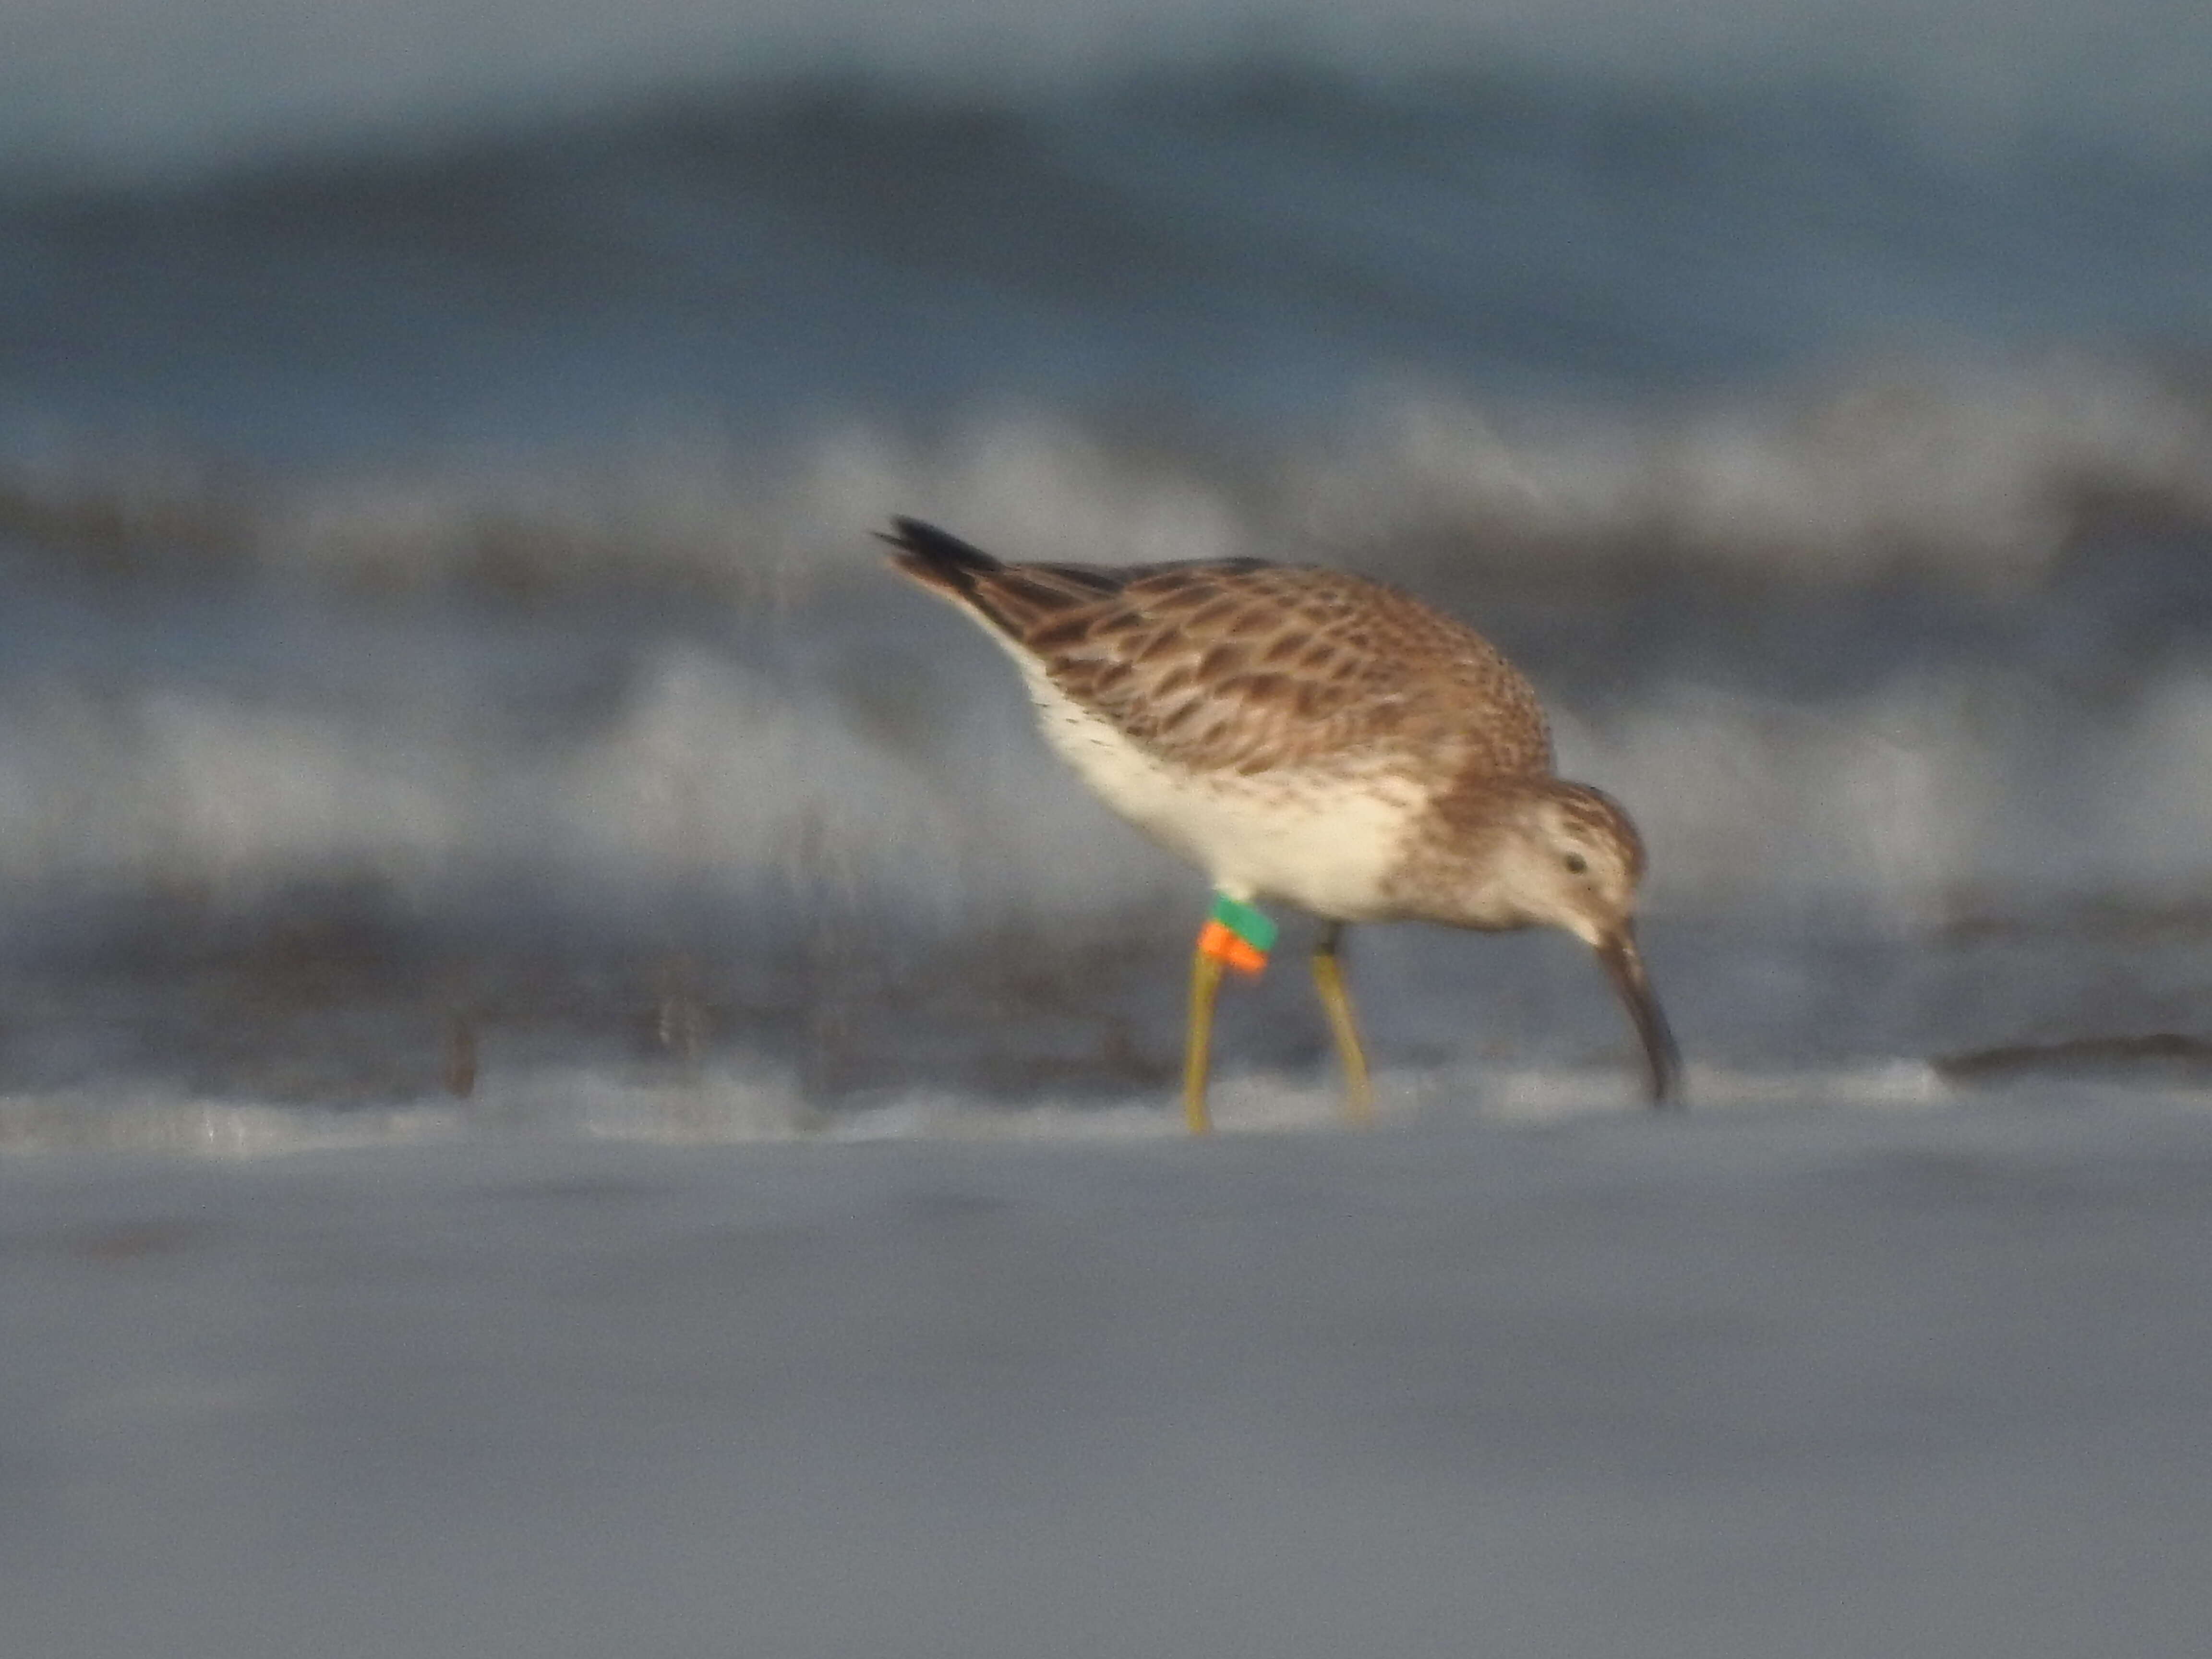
point(1323, 841)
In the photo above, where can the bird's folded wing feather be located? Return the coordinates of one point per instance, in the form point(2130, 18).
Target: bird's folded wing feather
point(1252, 667)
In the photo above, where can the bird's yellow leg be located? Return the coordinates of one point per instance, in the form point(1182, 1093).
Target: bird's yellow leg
point(1204, 985)
point(1336, 1002)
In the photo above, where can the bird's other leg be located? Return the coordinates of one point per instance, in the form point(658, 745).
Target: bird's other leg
point(1336, 1002)
point(1204, 985)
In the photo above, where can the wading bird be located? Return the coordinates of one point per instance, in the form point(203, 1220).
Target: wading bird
point(1315, 738)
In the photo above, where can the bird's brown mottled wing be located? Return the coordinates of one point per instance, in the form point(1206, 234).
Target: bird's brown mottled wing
point(1254, 667)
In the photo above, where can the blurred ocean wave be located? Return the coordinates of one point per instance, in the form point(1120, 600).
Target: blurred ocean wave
point(145, 87)
point(1244, 248)
point(1985, 473)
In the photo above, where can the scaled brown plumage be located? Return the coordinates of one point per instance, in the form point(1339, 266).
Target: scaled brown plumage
point(1285, 666)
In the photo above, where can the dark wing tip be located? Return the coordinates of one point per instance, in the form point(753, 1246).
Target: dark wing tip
point(936, 552)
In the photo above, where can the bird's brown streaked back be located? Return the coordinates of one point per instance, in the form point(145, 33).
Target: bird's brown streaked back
point(1244, 667)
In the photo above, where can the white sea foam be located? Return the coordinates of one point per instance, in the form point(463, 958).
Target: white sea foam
point(145, 1118)
point(743, 1104)
point(1983, 471)
point(752, 781)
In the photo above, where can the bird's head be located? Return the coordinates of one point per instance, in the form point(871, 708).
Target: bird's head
point(1565, 855)
point(1569, 857)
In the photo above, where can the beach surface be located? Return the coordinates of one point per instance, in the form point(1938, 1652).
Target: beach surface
point(1806, 1379)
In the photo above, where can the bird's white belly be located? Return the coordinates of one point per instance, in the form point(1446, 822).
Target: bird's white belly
point(1324, 844)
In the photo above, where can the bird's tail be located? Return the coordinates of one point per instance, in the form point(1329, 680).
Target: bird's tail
point(939, 560)
point(1018, 601)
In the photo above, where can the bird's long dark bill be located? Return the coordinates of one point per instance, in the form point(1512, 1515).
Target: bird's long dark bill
point(1663, 1061)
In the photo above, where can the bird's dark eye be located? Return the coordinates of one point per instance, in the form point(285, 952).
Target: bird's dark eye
point(1575, 864)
